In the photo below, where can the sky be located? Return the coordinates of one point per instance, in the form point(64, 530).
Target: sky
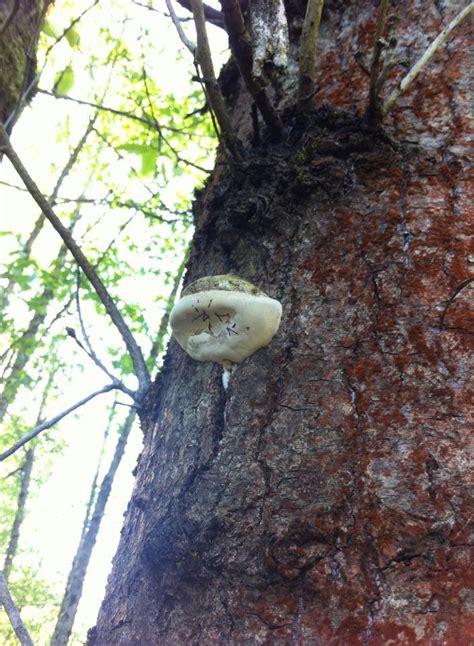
point(56, 507)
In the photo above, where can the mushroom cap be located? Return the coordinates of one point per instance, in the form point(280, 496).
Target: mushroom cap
point(225, 325)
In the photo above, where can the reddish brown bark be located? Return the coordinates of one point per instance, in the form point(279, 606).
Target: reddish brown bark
point(324, 499)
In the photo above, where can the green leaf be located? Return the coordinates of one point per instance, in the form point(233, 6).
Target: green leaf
point(51, 30)
point(73, 37)
point(149, 161)
point(64, 80)
point(146, 152)
point(138, 149)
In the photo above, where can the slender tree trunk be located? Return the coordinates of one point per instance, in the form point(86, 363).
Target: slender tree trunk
point(92, 522)
point(20, 511)
point(323, 499)
point(77, 574)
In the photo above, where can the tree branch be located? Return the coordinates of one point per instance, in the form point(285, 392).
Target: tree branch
point(308, 47)
point(110, 307)
point(90, 350)
point(54, 420)
point(241, 46)
point(13, 614)
point(210, 14)
point(408, 80)
point(214, 95)
point(104, 108)
point(182, 36)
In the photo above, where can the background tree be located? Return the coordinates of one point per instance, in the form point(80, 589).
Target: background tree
point(323, 498)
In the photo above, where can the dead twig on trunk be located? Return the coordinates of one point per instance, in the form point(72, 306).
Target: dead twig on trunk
point(308, 49)
point(379, 45)
point(409, 78)
point(214, 95)
point(241, 46)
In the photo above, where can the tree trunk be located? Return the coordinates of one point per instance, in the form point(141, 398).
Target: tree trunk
point(20, 511)
point(77, 574)
point(17, 54)
point(323, 499)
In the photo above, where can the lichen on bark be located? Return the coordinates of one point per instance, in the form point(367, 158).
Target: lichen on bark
point(270, 43)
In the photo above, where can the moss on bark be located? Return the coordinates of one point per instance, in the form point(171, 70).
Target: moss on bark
point(18, 53)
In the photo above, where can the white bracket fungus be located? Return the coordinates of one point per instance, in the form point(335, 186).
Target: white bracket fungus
point(224, 319)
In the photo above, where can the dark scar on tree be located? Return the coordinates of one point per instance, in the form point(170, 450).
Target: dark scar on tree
point(222, 317)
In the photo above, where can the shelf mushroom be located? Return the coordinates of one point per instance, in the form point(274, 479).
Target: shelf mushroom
point(224, 319)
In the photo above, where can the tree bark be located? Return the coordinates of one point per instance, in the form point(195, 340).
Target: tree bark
point(323, 499)
point(18, 54)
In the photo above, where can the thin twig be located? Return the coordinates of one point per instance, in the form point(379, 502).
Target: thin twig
point(157, 345)
point(163, 138)
point(16, 621)
point(110, 306)
point(89, 350)
point(214, 94)
point(176, 22)
point(215, 127)
point(409, 79)
point(241, 46)
point(120, 113)
point(379, 46)
point(308, 49)
point(54, 420)
point(71, 25)
point(9, 18)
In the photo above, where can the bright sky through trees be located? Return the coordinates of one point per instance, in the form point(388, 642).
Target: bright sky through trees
point(127, 198)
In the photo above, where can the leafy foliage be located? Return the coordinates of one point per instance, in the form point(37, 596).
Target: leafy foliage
point(119, 154)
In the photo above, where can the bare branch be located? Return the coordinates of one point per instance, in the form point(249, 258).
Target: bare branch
point(308, 47)
point(216, 100)
point(408, 80)
point(104, 108)
point(241, 46)
point(210, 14)
point(13, 614)
point(184, 39)
point(89, 350)
point(112, 310)
point(54, 420)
